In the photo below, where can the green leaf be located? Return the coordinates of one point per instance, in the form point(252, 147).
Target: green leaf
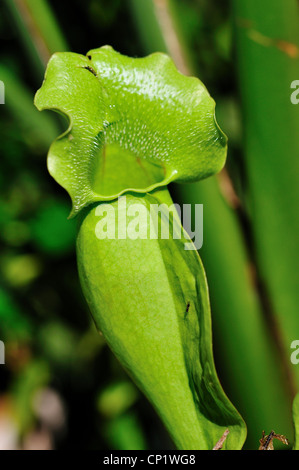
point(149, 298)
point(134, 124)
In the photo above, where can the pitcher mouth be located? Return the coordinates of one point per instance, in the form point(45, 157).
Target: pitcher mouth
point(134, 125)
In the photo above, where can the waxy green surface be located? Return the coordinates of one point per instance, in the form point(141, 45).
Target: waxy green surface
point(134, 126)
point(150, 300)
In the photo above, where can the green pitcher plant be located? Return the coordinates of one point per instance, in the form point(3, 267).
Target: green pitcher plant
point(134, 126)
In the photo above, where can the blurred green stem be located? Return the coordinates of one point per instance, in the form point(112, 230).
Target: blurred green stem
point(38, 29)
point(267, 47)
point(38, 130)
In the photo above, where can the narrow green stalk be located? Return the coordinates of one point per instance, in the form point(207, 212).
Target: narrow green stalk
point(38, 29)
point(39, 130)
point(267, 46)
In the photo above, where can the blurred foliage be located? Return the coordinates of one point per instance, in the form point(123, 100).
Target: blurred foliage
point(60, 381)
point(51, 343)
